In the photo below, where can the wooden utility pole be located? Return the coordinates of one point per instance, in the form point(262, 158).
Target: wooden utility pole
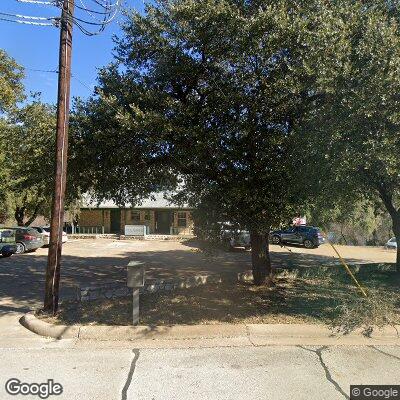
point(57, 213)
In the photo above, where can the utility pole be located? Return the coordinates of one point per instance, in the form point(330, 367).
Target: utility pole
point(57, 213)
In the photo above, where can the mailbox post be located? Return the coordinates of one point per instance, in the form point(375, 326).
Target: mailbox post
point(136, 277)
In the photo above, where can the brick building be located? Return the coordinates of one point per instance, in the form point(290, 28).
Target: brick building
point(157, 214)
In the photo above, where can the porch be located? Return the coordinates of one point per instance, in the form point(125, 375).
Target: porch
point(160, 222)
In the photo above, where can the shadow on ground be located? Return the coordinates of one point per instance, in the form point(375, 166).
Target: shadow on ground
point(22, 276)
point(309, 297)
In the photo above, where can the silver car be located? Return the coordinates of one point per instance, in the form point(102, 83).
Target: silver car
point(45, 232)
point(391, 244)
point(234, 238)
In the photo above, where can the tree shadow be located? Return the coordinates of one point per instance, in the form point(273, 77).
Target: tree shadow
point(304, 299)
point(22, 281)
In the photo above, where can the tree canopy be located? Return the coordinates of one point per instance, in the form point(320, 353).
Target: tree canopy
point(208, 92)
point(354, 132)
point(252, 110)
point(11, 87)
point(27, 143)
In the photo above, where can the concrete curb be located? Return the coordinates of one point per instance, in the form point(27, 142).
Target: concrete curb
point(41, 328)
point(198, 335)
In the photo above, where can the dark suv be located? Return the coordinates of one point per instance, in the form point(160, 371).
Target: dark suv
point(27, 239)
point(309, 236)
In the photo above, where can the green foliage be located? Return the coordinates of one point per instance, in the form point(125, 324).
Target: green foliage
point(366, 313)
point(11, 87)
point(11, 91)
point(257, 110)
point(354, 131)
point(28, 141)
point(359, 221)
point(207, 91)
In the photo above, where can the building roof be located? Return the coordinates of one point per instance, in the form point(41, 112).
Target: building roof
point(156, 200)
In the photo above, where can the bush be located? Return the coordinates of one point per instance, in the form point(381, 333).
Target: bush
point(366, 313)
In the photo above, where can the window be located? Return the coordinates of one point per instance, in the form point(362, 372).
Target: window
point(135, 216)
point(182, 219)
point(7, 236)
point(147, 216)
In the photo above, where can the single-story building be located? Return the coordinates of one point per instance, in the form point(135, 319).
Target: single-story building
point(157, 214)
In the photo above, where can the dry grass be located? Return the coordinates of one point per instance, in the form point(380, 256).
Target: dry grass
point(307, 299)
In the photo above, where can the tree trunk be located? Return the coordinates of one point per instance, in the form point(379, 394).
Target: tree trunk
point(341, 233)
point(398, 254)
point(396, 231)
point(19, 215)
point(261, 262)
point(387, 199)
point(34, 215)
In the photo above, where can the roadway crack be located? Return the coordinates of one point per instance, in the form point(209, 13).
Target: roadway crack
point(328, 375)
point(385, 353)
point(130, 374)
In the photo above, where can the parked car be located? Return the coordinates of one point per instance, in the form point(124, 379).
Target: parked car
point(45, 232)
point(8, 247)
point(27, 239)
point(309, 236)
point(391, 244)
point(235, 237)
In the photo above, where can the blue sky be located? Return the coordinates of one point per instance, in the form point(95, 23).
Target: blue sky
point(37, 48)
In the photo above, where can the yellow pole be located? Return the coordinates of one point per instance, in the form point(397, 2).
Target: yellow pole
point(348, 269)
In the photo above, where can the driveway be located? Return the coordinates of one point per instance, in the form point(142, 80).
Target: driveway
point(91, 262)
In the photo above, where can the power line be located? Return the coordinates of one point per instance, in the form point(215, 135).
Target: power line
point(101, 12)
point(54, 71)
point(47, 3)
point(27, 16)
point(26, 22)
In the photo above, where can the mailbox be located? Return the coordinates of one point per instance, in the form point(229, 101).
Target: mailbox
point(136, 274)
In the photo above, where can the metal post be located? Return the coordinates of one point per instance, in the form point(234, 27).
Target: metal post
point(135, 306)
point(57, 214)
point(135, 280)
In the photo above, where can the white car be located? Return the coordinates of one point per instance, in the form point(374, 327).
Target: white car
point(45, 231)
point(391, 244)
point(235, 237)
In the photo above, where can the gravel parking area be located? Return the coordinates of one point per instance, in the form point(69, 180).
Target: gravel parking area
point(88, 262)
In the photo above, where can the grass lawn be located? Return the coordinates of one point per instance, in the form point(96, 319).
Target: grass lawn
point(311, 295)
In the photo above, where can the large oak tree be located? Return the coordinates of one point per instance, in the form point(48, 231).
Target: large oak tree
point(208, 92)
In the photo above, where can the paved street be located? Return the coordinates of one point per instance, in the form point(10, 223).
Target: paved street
point(119, 370)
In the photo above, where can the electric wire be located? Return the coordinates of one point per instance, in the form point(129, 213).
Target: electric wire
point(46, 3)
point(26, 22)
point(101, 12)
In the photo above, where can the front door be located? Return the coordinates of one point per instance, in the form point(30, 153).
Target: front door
point(163, 222)
point(115, 223)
